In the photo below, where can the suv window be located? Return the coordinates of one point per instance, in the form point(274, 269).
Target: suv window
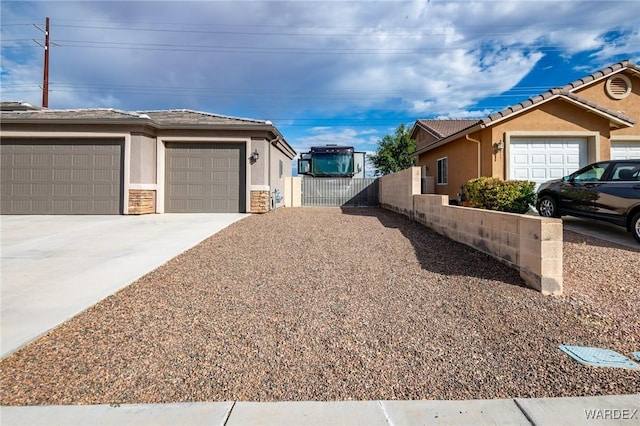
point(592, 174)
point(626, 172)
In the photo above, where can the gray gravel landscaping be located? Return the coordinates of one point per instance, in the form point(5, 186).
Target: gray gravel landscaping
point(325, 304)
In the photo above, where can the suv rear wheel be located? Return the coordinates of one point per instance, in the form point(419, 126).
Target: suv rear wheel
point(547, 207)
point(635, 227)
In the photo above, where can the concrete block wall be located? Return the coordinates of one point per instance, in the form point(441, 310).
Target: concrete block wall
point(531, 244)
point(397, 189)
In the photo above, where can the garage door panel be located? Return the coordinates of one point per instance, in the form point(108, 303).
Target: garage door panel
point(58, 177)
point(39, 189)
point(625, 150)
point(41, 160)
point(542, 159)
point(206, 177)
point(195, 176)
point(520, 159)
point(102, 175)
point(556, 159)
point(537, 174)
point(196, 163)
point(538, 159)
point(555, 173)
point(178, 163)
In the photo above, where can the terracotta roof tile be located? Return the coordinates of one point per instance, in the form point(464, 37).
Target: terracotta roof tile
point(442, 128)
point(564, 91)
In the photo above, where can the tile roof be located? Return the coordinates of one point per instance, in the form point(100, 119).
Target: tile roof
point(565, 92)
point(177, 117)
point(442, 128)
point(70, 114)
point(188, 117)
point(598, 75)
point(17, 106)
point(553, 93)
point(18, 112)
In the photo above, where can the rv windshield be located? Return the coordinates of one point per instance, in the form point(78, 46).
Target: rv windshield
point(332, 164)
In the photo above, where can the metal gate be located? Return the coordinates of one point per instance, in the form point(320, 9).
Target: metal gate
point(337, 192)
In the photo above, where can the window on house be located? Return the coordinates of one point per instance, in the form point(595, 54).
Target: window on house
point(280, 168)
point(442, 171)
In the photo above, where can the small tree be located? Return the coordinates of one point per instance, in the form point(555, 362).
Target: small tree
point(393, 153)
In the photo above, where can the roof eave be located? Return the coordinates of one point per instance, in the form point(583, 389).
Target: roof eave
point(90, 122)
point(444, 141)
point(619, 122)
point(602, 74)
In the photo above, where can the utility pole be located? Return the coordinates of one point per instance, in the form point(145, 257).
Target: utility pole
point(45, 82)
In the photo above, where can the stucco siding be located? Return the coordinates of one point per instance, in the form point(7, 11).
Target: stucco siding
point(462, 160)
point(423, 139)
point(143, 159)
point(260, 168)
point(279, 161)
point(630, 105)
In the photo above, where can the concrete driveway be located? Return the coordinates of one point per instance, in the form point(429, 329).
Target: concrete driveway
point(54, 267)
point(601, 230)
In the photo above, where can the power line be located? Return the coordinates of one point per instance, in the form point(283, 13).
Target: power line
point(239, 49)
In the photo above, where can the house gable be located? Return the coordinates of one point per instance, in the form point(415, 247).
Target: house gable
point(629, 105)
point(582, 112)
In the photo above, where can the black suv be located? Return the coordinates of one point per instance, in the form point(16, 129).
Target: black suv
point(606, 190)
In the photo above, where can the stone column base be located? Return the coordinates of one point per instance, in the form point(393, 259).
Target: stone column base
point(259, 201)
point(142, 201)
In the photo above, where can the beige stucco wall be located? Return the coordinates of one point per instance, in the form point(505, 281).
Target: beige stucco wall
point(293, 191)
point(143, 159)
point(260, 168)
point(462, 157)
point(423, 138)
point(629, 106)
point(279, 161)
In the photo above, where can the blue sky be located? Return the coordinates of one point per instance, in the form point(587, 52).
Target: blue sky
point(345, 72)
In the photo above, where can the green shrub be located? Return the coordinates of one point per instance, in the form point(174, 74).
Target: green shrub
point(512, 196)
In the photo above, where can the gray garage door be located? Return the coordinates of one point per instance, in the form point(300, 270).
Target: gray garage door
point(205, 178)
point(61, 177)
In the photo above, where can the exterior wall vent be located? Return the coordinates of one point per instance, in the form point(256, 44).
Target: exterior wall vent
point(618, 86)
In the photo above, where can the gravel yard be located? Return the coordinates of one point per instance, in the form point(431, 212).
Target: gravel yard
point(321, 304)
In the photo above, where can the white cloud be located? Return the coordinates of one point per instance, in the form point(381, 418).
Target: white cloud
point(344, 137)
point(288, 60)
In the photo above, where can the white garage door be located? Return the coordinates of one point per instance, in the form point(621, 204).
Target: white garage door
point(543, 159)
point(626, 150)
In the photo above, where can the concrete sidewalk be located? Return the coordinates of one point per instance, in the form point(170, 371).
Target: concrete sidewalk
point(54, 267)
point(609, 410)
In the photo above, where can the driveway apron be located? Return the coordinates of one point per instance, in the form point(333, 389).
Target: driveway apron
point(54, 267)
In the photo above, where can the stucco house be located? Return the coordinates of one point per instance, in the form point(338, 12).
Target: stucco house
point(545, 137)
point(108, 161)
